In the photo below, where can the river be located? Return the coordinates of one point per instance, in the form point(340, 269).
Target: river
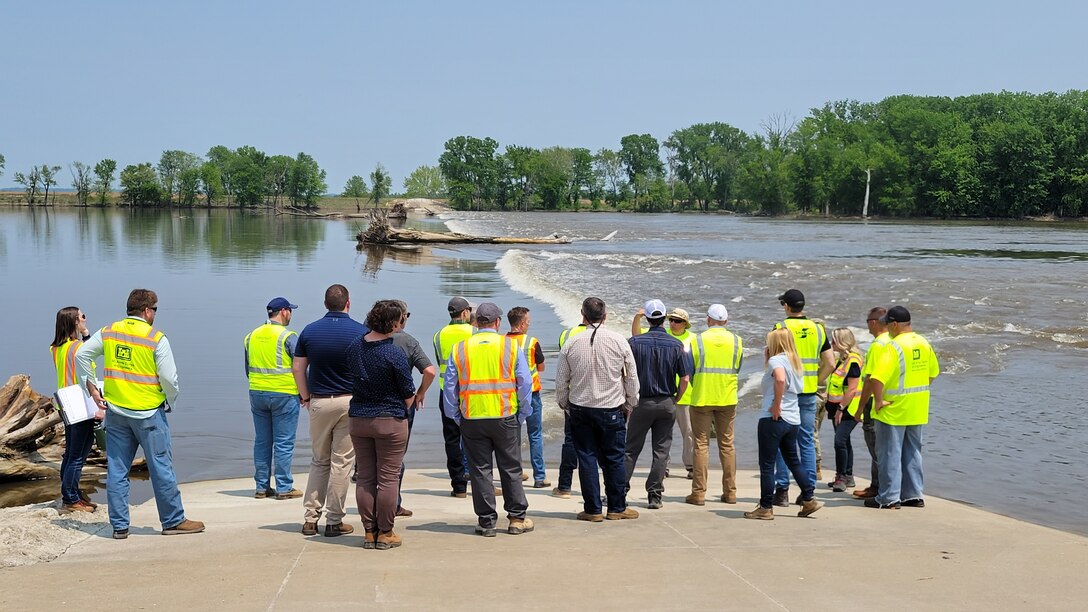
point(1005, 306)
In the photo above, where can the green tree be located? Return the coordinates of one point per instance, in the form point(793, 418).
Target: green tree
point(2, 162)
point(140, 185)
point(305, 181)
point(81, 181)
point(608, 170)
point(171, 165)
point(189, 185)
point(277, 172)
point(641, 157)
point(103, 185)
point(708, 156)
point(48, 176)
point(552, 170)
point(224, 159)
point(211, 182)
point(355, 188)
point(31, 183)
point(425, 182)
point(582, 183)
point(246, 169)
point(471, 171)
point(380, 184)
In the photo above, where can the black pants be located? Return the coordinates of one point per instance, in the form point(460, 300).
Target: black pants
point(456, 462)
point(501, 439)
point(568, 458)
point(844, 450)
point(654, 416)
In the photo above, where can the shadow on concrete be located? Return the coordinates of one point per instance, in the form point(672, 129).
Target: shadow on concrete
point(286, 527)
point(107, 532)
point(238, 493)
point(438, 527)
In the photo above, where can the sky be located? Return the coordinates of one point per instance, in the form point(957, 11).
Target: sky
point(359, 83)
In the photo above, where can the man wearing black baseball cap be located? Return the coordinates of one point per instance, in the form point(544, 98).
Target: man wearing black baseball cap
point(817, 360)
point(458, 329)
point(900, 382)
point(273, 400)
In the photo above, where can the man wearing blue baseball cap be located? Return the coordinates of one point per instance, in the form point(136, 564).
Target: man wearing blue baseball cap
point(273, 400)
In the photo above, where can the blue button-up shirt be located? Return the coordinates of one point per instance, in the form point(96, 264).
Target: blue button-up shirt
point(660, 360)
point(451, 402)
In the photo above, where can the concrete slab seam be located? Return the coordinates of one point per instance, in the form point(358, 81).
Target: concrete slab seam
point(725, 567)
point(287, 578)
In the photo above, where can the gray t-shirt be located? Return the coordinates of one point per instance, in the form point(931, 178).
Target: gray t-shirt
point(417, 357)
point(791, 412)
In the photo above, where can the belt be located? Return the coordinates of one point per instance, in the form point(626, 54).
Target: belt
point(320, 396)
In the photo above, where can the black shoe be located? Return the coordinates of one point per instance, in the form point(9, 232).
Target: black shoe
point(654, 503)
point(120, 534)
point(873, 503)
point(487, 532)
point(781, 498)
point(914, 503)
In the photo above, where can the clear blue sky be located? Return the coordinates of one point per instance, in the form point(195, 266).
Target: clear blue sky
point(357, 83)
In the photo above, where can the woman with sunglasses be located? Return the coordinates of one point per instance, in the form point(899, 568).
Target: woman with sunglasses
point(71, 332)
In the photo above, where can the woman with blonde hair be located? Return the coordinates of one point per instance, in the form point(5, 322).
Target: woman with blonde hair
point(780, 423)
point(843, 401)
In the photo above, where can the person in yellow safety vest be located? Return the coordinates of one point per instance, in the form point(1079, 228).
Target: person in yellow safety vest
point(679, 328)
point(817, 360)
point(843, 402)
point(520, 320)
point(879, 331)
point(900, 379)
point(71, 332)
point(718, 354)
point(458, 329)
point(141, 386)
point(273, 400)
point(488, 390)
point(568, 458)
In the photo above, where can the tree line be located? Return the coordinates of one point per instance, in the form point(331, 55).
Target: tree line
point(1009, 155)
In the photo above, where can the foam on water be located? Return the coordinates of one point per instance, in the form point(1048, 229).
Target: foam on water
point(518, 270)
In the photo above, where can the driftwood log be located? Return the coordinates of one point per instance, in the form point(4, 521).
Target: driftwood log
point(380, 232)
point(32, 436)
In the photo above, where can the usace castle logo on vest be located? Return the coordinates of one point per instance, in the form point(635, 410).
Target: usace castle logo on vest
point(123, 353)
point(916, 354)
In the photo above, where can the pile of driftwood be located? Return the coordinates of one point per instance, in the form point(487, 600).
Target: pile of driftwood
point(32, 436)
point(380, 232)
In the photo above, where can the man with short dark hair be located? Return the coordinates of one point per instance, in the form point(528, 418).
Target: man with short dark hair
point(273, 400)
point(519, 320)
point(900, 383)
point(141, 386)
point(597, 386)
point(817, 361)
point(664, 370)
point(488, 391)
point(325, 386)
point(458, 329)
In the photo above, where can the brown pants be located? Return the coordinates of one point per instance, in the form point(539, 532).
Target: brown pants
point(379, 449)
point(722, 417)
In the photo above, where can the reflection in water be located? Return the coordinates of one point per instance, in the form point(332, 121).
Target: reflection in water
point(467, 277)
point(376, 255)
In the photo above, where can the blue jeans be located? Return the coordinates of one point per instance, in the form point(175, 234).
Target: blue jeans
point(568, 458)
point(123, 436)
point(77, 445)
point(806, 443)
point(900, 449)
point(275, 421)
point(778, 442)
point(534, 425)
point(600, 435)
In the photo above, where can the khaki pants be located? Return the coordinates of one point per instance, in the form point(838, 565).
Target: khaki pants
point(333, 457)
point(683, 420)
point(722, 418)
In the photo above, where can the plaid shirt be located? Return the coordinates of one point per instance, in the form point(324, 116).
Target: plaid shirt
point(596, 371)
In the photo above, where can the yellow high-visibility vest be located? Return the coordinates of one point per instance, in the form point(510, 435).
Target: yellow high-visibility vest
point(486, 379)
point(836, 384)
point(269, 362)
point(809, 338)
point(718, 353)
point(64, 359)
point(528, 344)
point(131, 378)
point(569, 333)
point(444, 341)
point(873, 353)
point(907, 364)
point(685, 338)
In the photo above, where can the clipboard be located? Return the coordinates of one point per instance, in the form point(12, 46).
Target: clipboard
point(75, 404)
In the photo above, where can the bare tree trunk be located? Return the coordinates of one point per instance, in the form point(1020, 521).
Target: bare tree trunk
point(865, 206)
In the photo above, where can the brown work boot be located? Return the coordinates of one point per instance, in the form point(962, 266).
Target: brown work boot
point(79, 506)
point(592, 518)
point(695, 500)
point(498, 491)
point(402, 511)
point(629, 513)
point(808, 507)
point(520, 526)
point(524, 476)
point(729, 499)
point(369, 539)
point(265, 494)
point(760, 513)
point(292, 494)
point(332, 531)
point(87, 500)
point(561, 493)
point(309, 529)
point(184, 527)
point(866, 493)
point(387, 540)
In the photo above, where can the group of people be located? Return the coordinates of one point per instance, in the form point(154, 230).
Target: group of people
point(356, 383)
